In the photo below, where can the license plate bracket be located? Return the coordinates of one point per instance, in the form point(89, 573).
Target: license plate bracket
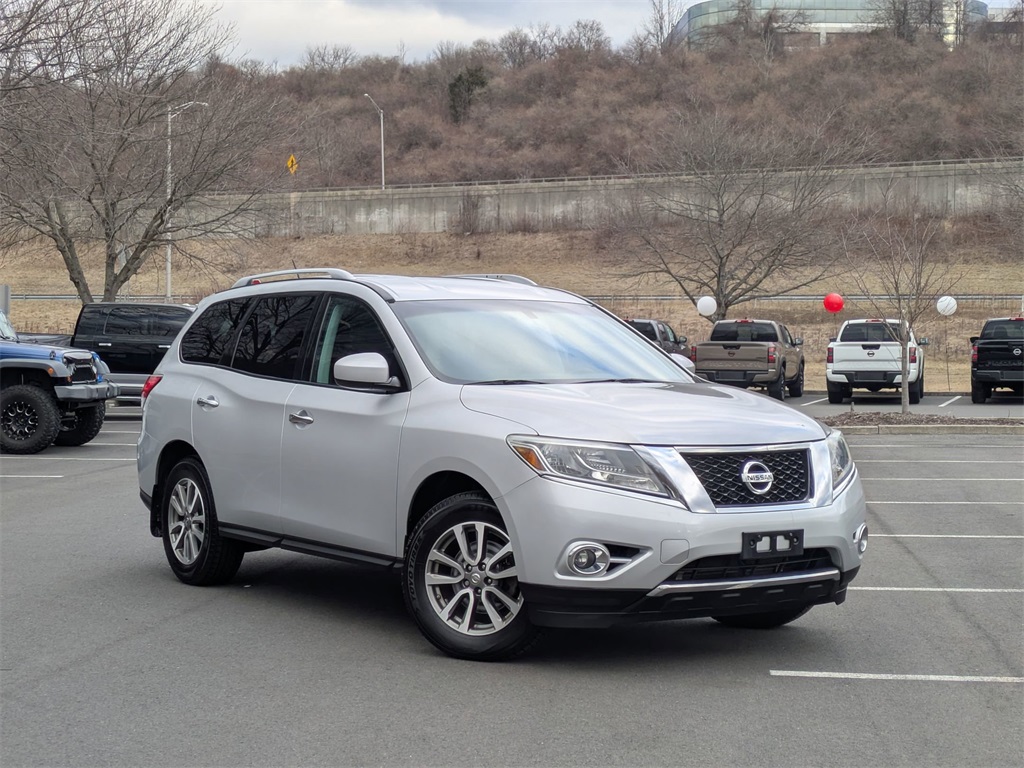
point(762, 544)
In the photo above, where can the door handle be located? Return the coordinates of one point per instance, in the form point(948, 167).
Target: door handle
point(103, 344)
point(164, 346)
point(302, 417)
point(210, 401)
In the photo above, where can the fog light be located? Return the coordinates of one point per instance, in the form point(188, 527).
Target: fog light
point(860, 538)
point(588, 559)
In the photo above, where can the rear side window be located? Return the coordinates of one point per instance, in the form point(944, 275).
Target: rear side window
point(646, 328)
point(1003, 329)
point(208, 339)
point(166, 321)
point(272, 335)
point(90, 321)
point(744, 332)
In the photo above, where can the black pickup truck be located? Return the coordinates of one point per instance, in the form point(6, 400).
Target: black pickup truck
point(131, 338)
point(997, 358)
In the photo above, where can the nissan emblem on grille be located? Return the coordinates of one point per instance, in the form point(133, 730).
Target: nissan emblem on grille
point(757, 477)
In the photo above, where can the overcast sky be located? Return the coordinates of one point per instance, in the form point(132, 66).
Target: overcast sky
point(281, 30)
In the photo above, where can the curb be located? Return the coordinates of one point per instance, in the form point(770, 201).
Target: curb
point(934, 429)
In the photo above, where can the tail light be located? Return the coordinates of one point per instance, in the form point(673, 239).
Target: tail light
point(974, 353)
point(693, 352)
point(830, 356)
point(913, 354)
point(771, 353)
point(148, 387)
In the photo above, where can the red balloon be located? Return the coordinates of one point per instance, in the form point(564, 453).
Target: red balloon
point(833, 303)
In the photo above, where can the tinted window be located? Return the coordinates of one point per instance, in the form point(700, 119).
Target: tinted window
point(90, 320)
point(167, 321)
point(1003, 329)
point(646, 328)
point(873, 332)
point(272, 335)
point(134, 320)
point(743, 332)
point(349, 327)
point(207, 340)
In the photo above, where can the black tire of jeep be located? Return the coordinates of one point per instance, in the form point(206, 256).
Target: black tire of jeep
point(187, 511)
point(767, 620)
point(777, 388)
point(85, 425)
point(29, 419)
point(796, 387)
point(980, 392)
point(835, 392)
point(430, 535)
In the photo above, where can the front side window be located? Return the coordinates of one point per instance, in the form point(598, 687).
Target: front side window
point(498, 342)
point(208, 340)
point(349, 327)
point(271, 339)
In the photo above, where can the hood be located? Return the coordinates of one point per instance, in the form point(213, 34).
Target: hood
point(30, 351)
point(646, 414)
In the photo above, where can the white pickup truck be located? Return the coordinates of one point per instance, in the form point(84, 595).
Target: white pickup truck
point(866, 355)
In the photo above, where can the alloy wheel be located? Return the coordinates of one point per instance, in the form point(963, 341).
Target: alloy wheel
point(186, 522)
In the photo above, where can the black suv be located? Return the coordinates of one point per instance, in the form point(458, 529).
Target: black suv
point(131, 339)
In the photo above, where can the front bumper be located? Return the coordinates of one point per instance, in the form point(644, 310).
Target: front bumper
point(87, 393)
point(661, 539)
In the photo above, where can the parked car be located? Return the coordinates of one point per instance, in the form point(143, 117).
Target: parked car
point(48, 394)
point(519, 454)
point(997, 358)
point(131, 337)
point(661, 333)
point(868, 354)
point(752, 353)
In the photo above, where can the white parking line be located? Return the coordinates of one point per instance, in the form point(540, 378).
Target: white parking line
point(984, 590)
point(943, 405)
point(813, 402)
point(910, 678)
point(32, 477)
point(942, 536)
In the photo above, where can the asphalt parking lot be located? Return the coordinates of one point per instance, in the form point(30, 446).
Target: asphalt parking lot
point(106, 659)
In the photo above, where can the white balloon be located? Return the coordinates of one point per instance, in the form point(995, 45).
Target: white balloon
point(946, 305)
point(706, 305)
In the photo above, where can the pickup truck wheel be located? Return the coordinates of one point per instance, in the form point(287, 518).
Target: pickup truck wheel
point(835, 392)
point(767, 620)
point(796, 387)
point(196, 551)
point(81, 425)
point(29, 419)
point(777, 388)
point(461, 583)
point(980, 392)
point(917, 390)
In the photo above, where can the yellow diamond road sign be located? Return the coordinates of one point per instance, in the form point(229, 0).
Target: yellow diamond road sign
point(293, 164)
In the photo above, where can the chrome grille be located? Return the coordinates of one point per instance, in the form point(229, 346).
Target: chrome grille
point(719, 473)
point(733, 567)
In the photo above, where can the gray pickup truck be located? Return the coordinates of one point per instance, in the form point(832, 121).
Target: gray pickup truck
point(752, 353)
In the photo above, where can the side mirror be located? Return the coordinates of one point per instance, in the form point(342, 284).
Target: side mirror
point(831, 340)
point(683, 362)
point(363, 368)
point(974, 339)
point(681, 341)
point(923, 342)
point(798, 341)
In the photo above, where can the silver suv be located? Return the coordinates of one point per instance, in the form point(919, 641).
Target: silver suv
point(522, 456)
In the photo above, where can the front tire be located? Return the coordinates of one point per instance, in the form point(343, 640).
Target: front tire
point(29, 419)
point(767, 620)
point(195, 550)
point(85, 424)
point(796, 387)
point(461, 584)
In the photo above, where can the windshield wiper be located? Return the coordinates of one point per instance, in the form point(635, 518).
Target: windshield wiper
point(506, 381)
point(622, 381)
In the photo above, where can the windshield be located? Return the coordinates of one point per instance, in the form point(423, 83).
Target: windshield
point(6, 329)
point(520, 342)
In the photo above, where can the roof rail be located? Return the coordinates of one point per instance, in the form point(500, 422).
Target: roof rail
point(333, 274)
point(509, 278)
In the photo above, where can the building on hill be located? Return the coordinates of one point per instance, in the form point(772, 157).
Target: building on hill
point(802, 23)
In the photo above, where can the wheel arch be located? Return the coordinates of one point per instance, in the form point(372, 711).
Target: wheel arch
point(435, 488)
point(36, 374)
point(171, 454)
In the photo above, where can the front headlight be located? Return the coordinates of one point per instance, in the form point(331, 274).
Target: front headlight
point(617, 466)
point(839, 453)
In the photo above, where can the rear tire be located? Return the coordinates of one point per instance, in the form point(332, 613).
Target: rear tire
point(767, 620)
point(980, 392)
point(796, 388)
point(86, 424)
point(460, 581)
point(29, 419)
point(835, 392)
point(917, 389)
point(777, 388)
point(195, 550)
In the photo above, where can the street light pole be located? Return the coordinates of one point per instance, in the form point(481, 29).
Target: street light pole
point(171, 113)
point(381, 113)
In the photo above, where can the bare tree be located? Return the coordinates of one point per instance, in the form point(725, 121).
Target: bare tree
point(657, 30)
point(736, 211)
point(898, 258)
point(126, 156)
